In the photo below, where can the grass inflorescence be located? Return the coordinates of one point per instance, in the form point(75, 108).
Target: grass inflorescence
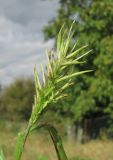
point(56, 78)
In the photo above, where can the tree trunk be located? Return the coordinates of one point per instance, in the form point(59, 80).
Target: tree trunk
point(70, 132)
point(79, 133)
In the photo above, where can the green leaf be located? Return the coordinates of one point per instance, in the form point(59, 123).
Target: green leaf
point(43, 74)
point(72, 75)
point(76, 51)
point(72, 63)
point(59, 41)
point(63, 88)
point(37, 81)
point(69, 38)
point(74, 46)
point(56, 140)
point(19, 146)
point(2, 157)
point(49, 63)
point(83, 55)
point(60, 97)
point(21, 139)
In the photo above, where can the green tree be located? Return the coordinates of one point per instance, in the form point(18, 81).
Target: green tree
point(93, 26)
point(17, 99)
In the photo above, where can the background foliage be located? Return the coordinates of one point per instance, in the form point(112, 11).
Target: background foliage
point(92, 94)
point(17, 99)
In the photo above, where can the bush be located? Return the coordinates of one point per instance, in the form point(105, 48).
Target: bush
point(17, 99)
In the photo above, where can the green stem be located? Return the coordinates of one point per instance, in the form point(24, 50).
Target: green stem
point(21, 139)
point(56, 141)
point(57, 144)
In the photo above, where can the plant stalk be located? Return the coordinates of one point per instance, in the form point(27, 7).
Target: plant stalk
point(21, 140)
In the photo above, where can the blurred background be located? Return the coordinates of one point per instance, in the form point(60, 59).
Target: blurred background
point(85, 118)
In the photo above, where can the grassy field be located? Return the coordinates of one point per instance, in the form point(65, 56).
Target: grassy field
point(39, 147)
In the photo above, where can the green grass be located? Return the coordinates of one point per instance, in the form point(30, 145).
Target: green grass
point(39, 146)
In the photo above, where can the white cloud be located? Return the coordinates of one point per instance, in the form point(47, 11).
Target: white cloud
point(21, 39)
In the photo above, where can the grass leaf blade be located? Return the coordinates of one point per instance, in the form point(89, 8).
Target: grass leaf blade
point(84, 55)
point(76, 51)
point(73, 75)
point(56, 140)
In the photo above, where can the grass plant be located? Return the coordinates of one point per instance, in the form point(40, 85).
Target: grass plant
point(58, 76)
point(39, 145)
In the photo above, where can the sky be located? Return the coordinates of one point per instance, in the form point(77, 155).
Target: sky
point(21, 38)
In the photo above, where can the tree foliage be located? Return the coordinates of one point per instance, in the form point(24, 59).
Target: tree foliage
point(93, 26)
point(17, 99)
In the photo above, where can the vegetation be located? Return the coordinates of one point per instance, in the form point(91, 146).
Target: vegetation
point(91, 97)
point(92, 26)
point(58, 77)
point(39, 147)
point(16, 100)
point(93, 94)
